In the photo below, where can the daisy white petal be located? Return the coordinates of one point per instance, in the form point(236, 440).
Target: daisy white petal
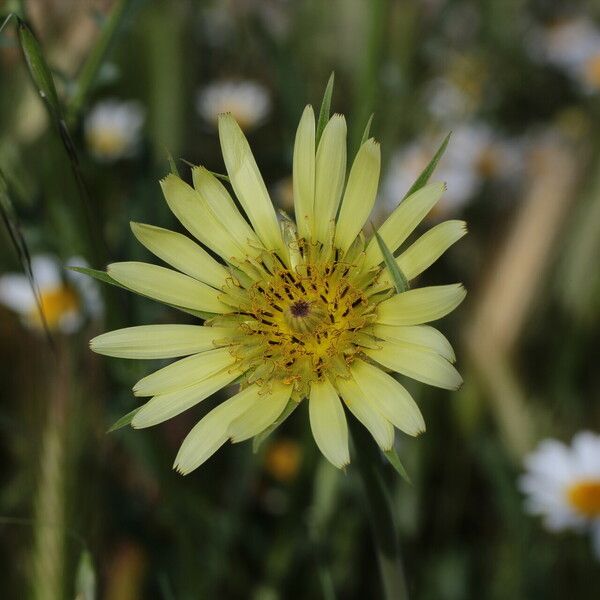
point(16, 293)
point(328, 423)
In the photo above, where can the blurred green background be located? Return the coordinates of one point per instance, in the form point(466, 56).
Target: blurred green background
point(517, 82)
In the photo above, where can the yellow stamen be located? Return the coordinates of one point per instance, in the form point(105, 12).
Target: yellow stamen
point(584, 496)
point(309, 322)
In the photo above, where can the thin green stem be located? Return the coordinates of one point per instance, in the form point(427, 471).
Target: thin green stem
point(379, 510)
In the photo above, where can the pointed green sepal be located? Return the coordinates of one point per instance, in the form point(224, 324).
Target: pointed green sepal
point(395, 461)
point(123, 421)
point(325, 108)
point(398, 277)
point(423, 178)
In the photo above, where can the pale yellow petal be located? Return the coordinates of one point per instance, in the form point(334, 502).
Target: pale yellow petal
point(421, 335)
point(425, 251)
point(328, 423)
point(166, 406)
point(181, 252)
point(403, 221)
point(420, 305)
point(266, 409)
point(185, 372)
point(418, 363)
point(223, 207)
point(304, 173)
point(211, 432)
point(360, 194)
point(248, 184)
point(367, 412)
point(167, 286)
point(158, 341)
point(329, 176)
point(195, 215)
point(392, 399)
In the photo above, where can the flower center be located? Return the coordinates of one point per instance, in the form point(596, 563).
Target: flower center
point(302, 323)
point(300, 308)
point(584, 497)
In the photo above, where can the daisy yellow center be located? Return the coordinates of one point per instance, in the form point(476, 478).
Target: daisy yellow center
point(303, 324)
point(584, 497)
point(592, 71)
point(107, 141)
point(56, 303)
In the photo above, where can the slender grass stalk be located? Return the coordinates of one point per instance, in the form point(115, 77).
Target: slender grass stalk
point(379, 510)
point(48, 562)
point(91, 67)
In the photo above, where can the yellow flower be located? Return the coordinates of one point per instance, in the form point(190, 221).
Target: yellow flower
point(304, 310)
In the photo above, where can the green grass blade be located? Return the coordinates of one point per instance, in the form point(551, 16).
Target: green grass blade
point(398, 277)
point(9, 217)
point(325, 108)
point(423, 178)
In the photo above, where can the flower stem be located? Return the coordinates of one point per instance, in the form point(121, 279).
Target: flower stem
point(379, 510)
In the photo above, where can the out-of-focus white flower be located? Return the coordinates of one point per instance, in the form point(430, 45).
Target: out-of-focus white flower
point(475, 154)
point(113, 129)
point(248, 102)
point(65, 301)
point(562, 484)
point(572, 45)
point(283, 194)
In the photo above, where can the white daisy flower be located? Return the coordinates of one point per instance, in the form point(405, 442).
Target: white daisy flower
point(572, 45)
point(65, 301)
point(248, 102)
point(113, 129)
point(475, 154)
point(562, 484)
